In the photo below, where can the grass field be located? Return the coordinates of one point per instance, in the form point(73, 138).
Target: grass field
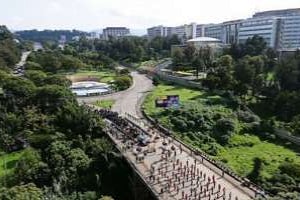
point(101, 76)
point(185, 95)
point(104, 103)
point(242, 148)
point(8, 162)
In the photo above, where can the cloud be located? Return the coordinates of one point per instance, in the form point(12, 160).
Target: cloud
point(138, 14)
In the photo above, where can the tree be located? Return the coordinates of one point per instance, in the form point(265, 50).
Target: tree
point(189, 53)
point(31, 168)
point(177, 56)
point(50, 98)
point(37, 77)
point(71, 63)
point(226, 61)
point(255, 46)
point(288, 74)
point(224, 129)
point(123, 82)
point(22, 192)
point(212, 81)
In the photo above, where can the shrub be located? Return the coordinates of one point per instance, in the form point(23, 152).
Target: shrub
point(247, 117)
point(123, 82)
point(223, 130)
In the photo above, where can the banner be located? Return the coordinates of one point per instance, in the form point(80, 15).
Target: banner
point(168, 101)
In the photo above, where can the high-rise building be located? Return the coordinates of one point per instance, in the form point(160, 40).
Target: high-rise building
point(161, 31)
point(279, 28)
point(200, 30)
point(230, 31)
point(185, 32)
point(214, 31)
point(289, 35)
point(266, 27)
point(115, 32)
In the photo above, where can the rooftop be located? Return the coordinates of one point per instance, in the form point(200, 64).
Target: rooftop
point(204, 39)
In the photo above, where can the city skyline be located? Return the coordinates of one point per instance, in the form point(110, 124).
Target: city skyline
point(137, 15)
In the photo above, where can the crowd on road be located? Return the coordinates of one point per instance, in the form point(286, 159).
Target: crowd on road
point(171, 170)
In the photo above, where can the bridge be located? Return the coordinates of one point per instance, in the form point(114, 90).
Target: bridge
point(168, 168)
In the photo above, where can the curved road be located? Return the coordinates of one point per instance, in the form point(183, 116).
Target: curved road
point(127, 101)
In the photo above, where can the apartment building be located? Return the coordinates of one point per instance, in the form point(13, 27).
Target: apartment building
point(161, 31)
point(279, 28)
point(115, 32)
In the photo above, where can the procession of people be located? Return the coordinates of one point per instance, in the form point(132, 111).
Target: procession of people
point(174, 174)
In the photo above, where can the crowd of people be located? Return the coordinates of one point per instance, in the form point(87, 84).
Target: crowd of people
point(173, 173)
point(186, 179)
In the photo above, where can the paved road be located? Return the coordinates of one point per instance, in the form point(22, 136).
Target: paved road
point(127, 101)
point(19, 68)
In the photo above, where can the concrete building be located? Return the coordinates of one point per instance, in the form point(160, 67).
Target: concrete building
point(230, 31)
point(185, 32)
point(115, 32)
point(200, 30)
point(279, 28)
point(289, 27)
point(213, 31)
point(266, 27)
point(161, 31)
point(204, 42)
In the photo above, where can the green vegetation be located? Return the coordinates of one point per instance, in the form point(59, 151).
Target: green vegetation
point(214, 124)
point(8, 163)
point(101, 76)
point(9, 50)
point(107, 104)
point(53, 147)
point(243, 149)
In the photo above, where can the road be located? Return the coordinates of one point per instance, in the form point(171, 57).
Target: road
point(127, 101)
point(19, 67)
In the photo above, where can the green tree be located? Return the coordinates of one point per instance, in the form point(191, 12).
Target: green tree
point(22, 192)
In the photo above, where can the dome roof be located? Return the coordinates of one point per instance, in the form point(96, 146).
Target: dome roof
point(204, 39)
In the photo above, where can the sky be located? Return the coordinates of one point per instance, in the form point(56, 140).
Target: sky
point(138, 15)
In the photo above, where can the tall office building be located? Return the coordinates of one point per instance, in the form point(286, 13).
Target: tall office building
point(161, 31)
point(115, 32)
point(266, 27)
point(231, 31)
point(214, 31)
point(290, 27)
point(185, 32)
point(279, 28)
point(200, 30)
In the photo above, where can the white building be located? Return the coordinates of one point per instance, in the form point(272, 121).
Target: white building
point(200, 30)
point(185, 32)
point(115, 32)
point(204, 42)
point(161, 31)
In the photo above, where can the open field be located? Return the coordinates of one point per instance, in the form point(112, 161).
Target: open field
point(104, 103)
point(242, 149)
point(100, 76)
